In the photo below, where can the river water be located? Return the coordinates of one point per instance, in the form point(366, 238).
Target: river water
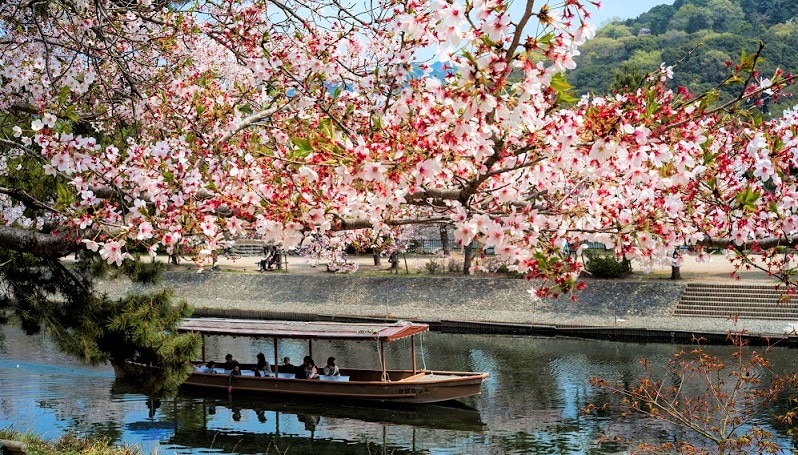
point(531, 403)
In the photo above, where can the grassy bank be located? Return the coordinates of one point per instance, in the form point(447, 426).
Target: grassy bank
point(68, 444)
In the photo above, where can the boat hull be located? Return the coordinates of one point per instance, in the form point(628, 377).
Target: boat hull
point(405, 387)
point(432, 387)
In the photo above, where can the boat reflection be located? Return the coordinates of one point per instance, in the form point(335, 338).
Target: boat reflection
point(240, 424)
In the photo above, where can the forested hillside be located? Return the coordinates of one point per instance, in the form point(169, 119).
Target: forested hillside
point(698, 37)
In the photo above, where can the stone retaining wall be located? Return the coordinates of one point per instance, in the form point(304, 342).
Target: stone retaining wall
point(416, 298)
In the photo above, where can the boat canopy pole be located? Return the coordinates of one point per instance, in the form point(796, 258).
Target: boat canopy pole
point(276, 361)
point(202, 336)
point(382, 361)
point(310, 348)
point(413, 351)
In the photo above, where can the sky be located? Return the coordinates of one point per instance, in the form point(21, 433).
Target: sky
point(625, 9)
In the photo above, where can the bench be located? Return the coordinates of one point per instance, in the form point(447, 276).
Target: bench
point(323, 377)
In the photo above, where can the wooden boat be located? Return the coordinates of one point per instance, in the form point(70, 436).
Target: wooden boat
point(384, 385)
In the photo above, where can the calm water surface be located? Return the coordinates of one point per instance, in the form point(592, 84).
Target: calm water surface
point(531, 403)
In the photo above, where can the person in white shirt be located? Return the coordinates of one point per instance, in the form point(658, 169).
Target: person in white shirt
point(331, 369)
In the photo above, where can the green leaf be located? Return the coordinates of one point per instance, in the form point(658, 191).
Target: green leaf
point(63, 94)
point(564, 90)
point(302, 143)
point(327, 128)
point(71, 113)
point(65, 196)
point(651, 103)
point(747, 199)
point(470, 57)
point(168, 176)
point(559, 83)
point(709, 99)
point(303, 148)
point(546, 39)
point(567, 98)
point(736, 79)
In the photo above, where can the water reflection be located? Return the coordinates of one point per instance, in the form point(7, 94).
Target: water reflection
point(531, 402)
point(251, 426)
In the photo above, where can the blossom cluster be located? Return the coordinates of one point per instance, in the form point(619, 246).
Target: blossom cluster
point(246, 119)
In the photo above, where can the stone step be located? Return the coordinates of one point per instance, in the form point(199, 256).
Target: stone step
point(767, 317)
point(735, 291)
point(692, 290)
point(733, 286)
point(691, 287)
point(762, 300)
point(762, 308)
point(738, 310)
point(734, 300)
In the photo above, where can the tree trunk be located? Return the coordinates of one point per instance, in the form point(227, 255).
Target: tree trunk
point(376, 254)
point(468, 255)
point(444, 232)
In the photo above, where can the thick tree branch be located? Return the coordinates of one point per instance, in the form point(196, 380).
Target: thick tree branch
point(442, 194)
point(764, 244)
point(37, 243)
point(350, 225)
point(519, 31)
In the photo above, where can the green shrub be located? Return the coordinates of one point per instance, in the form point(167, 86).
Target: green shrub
point(433, 266)
point(603, 264)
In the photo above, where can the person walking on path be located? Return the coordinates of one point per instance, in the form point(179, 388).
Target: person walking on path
point(393, 259)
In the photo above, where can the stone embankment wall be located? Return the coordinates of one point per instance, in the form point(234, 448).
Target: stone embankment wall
point(428, 299)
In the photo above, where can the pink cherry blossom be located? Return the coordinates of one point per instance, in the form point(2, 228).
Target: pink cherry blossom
point(330, 131)
point(112, 252)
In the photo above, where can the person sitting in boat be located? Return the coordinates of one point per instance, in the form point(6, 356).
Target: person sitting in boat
point(287, 366)
point(262, 367)
point(331, 369)
point(307, 370)
point(229, 362)
point(236, 371)
point(210, 367)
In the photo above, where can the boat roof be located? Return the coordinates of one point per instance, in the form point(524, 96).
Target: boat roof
point(357, 331)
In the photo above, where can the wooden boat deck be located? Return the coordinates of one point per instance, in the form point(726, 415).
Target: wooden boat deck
point(430, 377)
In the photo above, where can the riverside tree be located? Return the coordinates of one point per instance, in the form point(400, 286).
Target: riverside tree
point(149, 126)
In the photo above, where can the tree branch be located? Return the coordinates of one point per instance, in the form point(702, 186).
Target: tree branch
point(451, 195)
point(29, 201)
point(519, 31)
point(765, 244)
point(349, 225)
point(249, 121)
point(37, 243)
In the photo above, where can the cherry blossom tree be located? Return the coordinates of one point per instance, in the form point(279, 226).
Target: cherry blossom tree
point(152, 127)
